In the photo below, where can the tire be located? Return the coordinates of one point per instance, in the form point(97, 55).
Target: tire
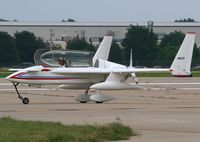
point(99, 102)
point(25, 100)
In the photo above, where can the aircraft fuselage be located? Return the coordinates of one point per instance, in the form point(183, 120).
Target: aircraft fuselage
point(49, 78)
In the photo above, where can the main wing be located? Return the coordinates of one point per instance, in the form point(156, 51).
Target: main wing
point(116, 76)
point(94, 70)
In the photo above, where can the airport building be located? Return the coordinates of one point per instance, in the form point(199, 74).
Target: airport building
point(94, 31)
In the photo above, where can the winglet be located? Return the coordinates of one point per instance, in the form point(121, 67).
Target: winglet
point(182, 62)
point(131, 59)
point(103, 50)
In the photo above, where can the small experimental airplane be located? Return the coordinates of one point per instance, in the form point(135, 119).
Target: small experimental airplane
point(103, 75)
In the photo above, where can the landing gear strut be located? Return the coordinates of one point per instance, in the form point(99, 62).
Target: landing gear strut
point(24, 100)
point(84, 98)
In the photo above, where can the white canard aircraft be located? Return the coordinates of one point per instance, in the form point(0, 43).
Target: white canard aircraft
point(104, 75)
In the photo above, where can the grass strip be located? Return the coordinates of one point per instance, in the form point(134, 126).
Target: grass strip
point(12, 130)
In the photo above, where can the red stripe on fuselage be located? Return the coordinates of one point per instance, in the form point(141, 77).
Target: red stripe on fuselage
point(48, 78)
point(40, 78)
point(15, 76)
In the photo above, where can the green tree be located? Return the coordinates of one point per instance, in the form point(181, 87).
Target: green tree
point(7, 49)
point(70, 20)
point(169, 47)
point(196, 55)
point(115, 54)
point(172, 39)
point(185, 20)
point(3, 20)
point(27, 44)
point(143, 43)
point(80, 44)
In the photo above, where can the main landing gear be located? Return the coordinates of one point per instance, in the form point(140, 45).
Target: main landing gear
point(84, 98)
point(24, 99)
point(98, 98)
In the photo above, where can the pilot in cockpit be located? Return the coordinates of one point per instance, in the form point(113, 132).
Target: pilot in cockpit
point(64, 63)
point(61, 62)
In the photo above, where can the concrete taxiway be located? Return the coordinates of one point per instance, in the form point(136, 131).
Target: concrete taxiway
point(167, 110)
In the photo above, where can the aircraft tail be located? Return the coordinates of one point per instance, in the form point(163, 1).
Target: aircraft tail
point(103, 50)
point(182, 62)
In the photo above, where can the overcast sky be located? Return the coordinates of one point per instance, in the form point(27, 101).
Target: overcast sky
point(100, 10)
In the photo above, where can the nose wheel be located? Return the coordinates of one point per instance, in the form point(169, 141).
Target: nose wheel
point(24, 99)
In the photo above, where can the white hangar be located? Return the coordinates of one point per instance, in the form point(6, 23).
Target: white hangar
point(94, 31)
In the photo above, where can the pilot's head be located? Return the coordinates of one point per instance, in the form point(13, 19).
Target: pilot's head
point(61, 58)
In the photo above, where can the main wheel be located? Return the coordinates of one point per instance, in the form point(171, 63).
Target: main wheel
point(99, 102)
point(83, 98)
point(25, 100)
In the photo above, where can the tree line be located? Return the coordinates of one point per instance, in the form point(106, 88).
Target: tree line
point(18, 48)
point(148, 52)
point(143, 43)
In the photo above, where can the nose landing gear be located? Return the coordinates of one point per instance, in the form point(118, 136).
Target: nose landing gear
point(24, 99)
